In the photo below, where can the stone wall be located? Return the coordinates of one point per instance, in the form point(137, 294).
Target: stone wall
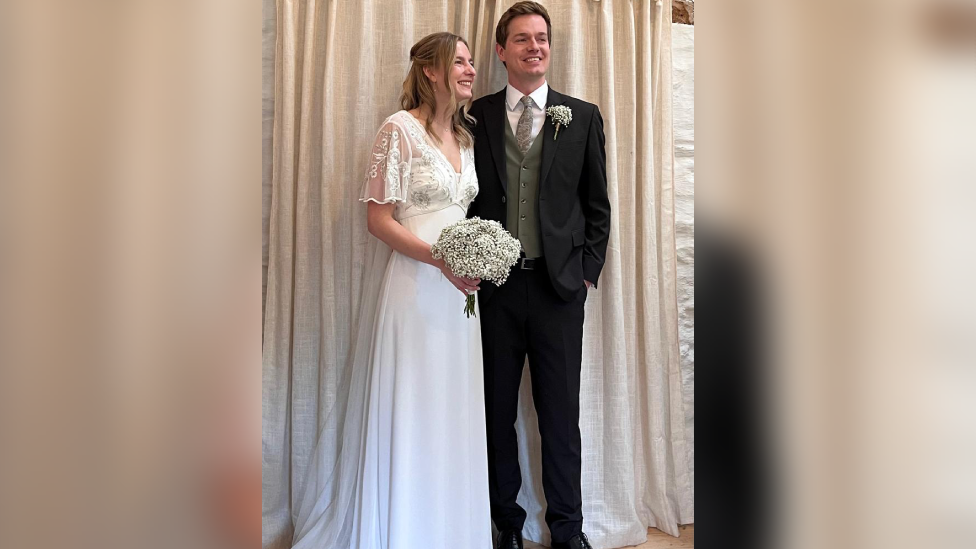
point(683, 113)
point(683, 11)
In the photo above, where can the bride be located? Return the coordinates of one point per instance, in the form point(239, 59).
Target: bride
point(411, 467)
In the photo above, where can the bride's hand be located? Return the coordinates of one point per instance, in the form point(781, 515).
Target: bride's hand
point(464, 285)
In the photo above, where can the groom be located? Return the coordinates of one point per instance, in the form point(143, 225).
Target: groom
point(549, 189)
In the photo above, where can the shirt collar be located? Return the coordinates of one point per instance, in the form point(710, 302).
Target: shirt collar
point(539, 96)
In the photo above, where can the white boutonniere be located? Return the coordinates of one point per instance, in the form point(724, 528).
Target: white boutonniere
point(561, 115)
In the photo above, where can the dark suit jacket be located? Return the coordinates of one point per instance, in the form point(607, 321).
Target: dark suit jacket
point(574, 211)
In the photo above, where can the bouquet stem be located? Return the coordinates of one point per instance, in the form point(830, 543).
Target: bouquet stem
point(469, 306)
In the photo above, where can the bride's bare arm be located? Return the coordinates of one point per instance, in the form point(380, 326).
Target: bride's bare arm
point(382, 225)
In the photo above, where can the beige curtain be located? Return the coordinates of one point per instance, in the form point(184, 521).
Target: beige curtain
point(336, 75)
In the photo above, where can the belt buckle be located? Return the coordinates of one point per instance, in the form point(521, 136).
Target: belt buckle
point(527, 263)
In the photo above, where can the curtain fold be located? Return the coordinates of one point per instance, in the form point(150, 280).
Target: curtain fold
point(337, 71)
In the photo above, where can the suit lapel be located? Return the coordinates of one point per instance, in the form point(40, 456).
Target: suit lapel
point(549, 146)
point(495, 116)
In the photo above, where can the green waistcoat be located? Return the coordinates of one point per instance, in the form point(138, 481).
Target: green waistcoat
point(523, 192)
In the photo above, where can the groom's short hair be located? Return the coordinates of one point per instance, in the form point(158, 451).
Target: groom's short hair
point(521, 8)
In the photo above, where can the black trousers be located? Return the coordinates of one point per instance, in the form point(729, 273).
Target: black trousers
point(525, 317)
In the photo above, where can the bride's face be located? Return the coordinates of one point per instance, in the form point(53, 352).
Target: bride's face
point(462, 73)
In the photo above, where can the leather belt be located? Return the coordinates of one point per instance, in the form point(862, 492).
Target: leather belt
point(530, 263)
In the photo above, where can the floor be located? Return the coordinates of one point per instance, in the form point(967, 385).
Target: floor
point(656, 539)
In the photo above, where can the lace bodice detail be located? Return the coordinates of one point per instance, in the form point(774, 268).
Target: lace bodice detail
point(406, 168)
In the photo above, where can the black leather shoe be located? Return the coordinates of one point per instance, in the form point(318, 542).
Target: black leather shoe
point(509, 539)
point(578, 541)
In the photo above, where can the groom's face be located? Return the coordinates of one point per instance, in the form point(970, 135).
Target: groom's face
point(526, 51)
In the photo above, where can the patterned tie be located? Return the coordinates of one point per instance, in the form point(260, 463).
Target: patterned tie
point(524, 133)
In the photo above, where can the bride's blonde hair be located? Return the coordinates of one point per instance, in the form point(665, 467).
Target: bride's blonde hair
point(436, 51)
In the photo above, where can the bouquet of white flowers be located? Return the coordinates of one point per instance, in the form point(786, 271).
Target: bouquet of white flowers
point(477, 248)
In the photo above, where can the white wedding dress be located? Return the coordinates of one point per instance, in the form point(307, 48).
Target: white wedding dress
point(411, 469)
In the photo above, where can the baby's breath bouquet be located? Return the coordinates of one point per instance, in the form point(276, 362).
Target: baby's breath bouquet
point(477, 248)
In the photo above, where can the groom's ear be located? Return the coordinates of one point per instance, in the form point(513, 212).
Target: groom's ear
point(500, 52)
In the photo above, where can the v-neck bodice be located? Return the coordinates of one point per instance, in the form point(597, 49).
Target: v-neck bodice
point(430, 142)
point(406, 168)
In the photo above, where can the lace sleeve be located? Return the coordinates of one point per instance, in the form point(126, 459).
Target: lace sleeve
point(388, 173)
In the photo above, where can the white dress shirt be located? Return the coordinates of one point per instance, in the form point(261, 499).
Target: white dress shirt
point(513, 100)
